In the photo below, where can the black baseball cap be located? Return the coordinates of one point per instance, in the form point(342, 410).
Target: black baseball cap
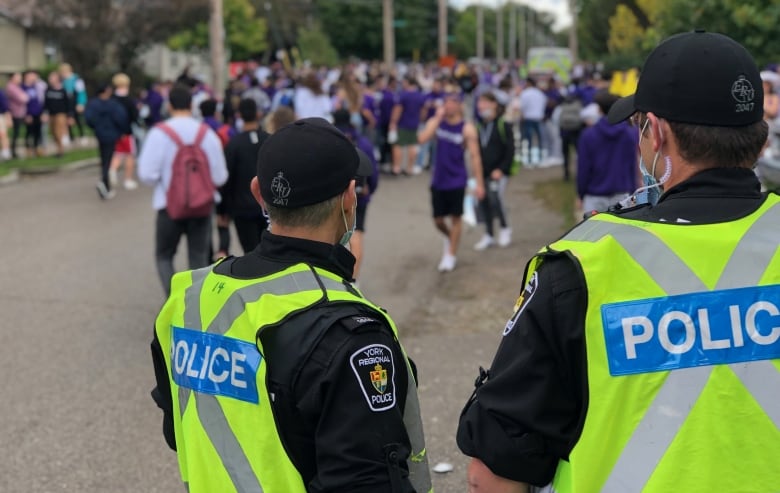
point(698, 78)
point(308, 162)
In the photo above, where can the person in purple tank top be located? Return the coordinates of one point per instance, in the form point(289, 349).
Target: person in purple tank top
point(450, 176)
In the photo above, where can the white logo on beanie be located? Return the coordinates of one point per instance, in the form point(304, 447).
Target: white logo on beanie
point(281, 189)
point(743, 91)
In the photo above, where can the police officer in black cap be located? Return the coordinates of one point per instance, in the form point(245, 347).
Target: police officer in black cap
point(274, 373)
point(644, 350)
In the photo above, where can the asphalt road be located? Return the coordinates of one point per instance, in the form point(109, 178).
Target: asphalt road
point(80, 292)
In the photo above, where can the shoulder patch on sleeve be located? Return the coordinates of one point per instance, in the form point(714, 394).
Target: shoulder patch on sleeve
point(374, 369)
point(525, 296)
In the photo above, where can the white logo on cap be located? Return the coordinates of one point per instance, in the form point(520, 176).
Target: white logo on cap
point(743, 91)
point(281, 189)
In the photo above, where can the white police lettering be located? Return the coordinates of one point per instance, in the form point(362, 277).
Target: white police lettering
point(212, 364)
point(697, 329)
point(522, 301)
point(215, 364)
point(374, 369)
point(691, 330)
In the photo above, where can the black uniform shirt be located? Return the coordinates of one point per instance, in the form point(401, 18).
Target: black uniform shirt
point(529, 412)
point(336, 426)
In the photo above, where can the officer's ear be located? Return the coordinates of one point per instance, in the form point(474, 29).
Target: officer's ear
point(254, 186)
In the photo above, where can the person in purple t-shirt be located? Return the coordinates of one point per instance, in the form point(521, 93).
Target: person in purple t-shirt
point(404, 123)
point(450, 176)
point(433, 100)
point(34, 88)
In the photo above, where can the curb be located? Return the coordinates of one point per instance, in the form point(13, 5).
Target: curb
point(11, 178)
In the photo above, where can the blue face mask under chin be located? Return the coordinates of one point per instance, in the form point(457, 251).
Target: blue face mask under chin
point(650, 191)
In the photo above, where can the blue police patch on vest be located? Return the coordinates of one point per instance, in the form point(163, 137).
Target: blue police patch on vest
point(697, 329)
point(215, 364)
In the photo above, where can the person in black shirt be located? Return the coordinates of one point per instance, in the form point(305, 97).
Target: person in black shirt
point(57, 111)
point(343, 397)
point(241, 159)
point(497, 149)
point(528, 411)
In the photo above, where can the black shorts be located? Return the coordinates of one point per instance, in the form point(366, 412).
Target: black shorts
point(360, 217)
point(447, 202)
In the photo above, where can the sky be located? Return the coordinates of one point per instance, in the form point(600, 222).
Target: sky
point(558, 7)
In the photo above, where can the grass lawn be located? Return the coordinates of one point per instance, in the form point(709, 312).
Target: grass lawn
point(48, 161)
point(559, 196)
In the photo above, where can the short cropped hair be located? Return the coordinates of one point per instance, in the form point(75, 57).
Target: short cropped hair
point(310, 216)
point(247, 108)
point(720, 147)
point(208, 108)
point(180, 97)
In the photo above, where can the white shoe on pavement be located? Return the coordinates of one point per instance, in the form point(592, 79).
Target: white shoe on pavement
point(505, 237)
point(447, 263)
point(485, 243)
point(101, 190)
point(113, 177)
point(131, 184)
point(416, 170)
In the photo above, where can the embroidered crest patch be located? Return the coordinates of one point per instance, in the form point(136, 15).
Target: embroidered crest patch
point(522, 301)
point(374, 369)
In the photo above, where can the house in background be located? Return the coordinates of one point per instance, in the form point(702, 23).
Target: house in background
point(163, 63)
point(21, 49)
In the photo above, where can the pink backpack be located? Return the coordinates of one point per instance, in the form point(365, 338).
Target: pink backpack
point(191, 191)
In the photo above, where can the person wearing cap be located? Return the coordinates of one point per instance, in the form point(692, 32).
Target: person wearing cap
point(274, 373)
point(644, 351)
point(450, 176)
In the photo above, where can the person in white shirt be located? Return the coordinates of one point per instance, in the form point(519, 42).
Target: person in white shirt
point(532, 105)
point(310, 100)
point(155, 168)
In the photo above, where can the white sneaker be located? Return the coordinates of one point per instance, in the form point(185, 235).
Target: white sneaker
point(505, 237)
point(447, 263)
point(113, 177)
point(111, 194)
point(131, 184)
point(485, 243)
point(84, 141)
point(416, 170)
point(101, 190)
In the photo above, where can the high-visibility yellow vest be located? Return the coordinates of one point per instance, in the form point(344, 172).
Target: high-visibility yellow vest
point(682, 334)
point(226, 436)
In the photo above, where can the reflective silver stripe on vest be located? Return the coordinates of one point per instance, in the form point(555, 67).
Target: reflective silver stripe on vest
point(289, 284)
point(192, 320)
point(419, 473)
point(682, 387)
point(212, 417)
point(215, 424)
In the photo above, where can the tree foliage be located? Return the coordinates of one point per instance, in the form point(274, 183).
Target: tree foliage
point(315, 46)
point(245, 32)
point(100, 36)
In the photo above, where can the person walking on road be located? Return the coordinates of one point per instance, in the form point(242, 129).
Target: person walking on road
point(295, 382)
point(106, 118)
point(404, 123)
point(125, 150)
point(448, 184)
point(606, 160)
point(644, 352)
point(56, 108)
point(241, 156)
point(497, 151)
point(156, 167)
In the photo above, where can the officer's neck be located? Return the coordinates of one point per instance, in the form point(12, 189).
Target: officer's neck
point(322, 235)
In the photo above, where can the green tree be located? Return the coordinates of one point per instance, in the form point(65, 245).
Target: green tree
point(245, 32)
point(752, 23)
point(315, 46)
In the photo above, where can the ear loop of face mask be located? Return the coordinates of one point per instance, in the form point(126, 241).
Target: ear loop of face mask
point(667, 170)
point(349, 232)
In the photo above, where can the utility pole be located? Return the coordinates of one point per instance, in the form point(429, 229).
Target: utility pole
point(442, 28)
point(480, 31)
point(500, 33)
point(573, 39)
point(217, 46)
point(513, 32)
point(388, 35)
